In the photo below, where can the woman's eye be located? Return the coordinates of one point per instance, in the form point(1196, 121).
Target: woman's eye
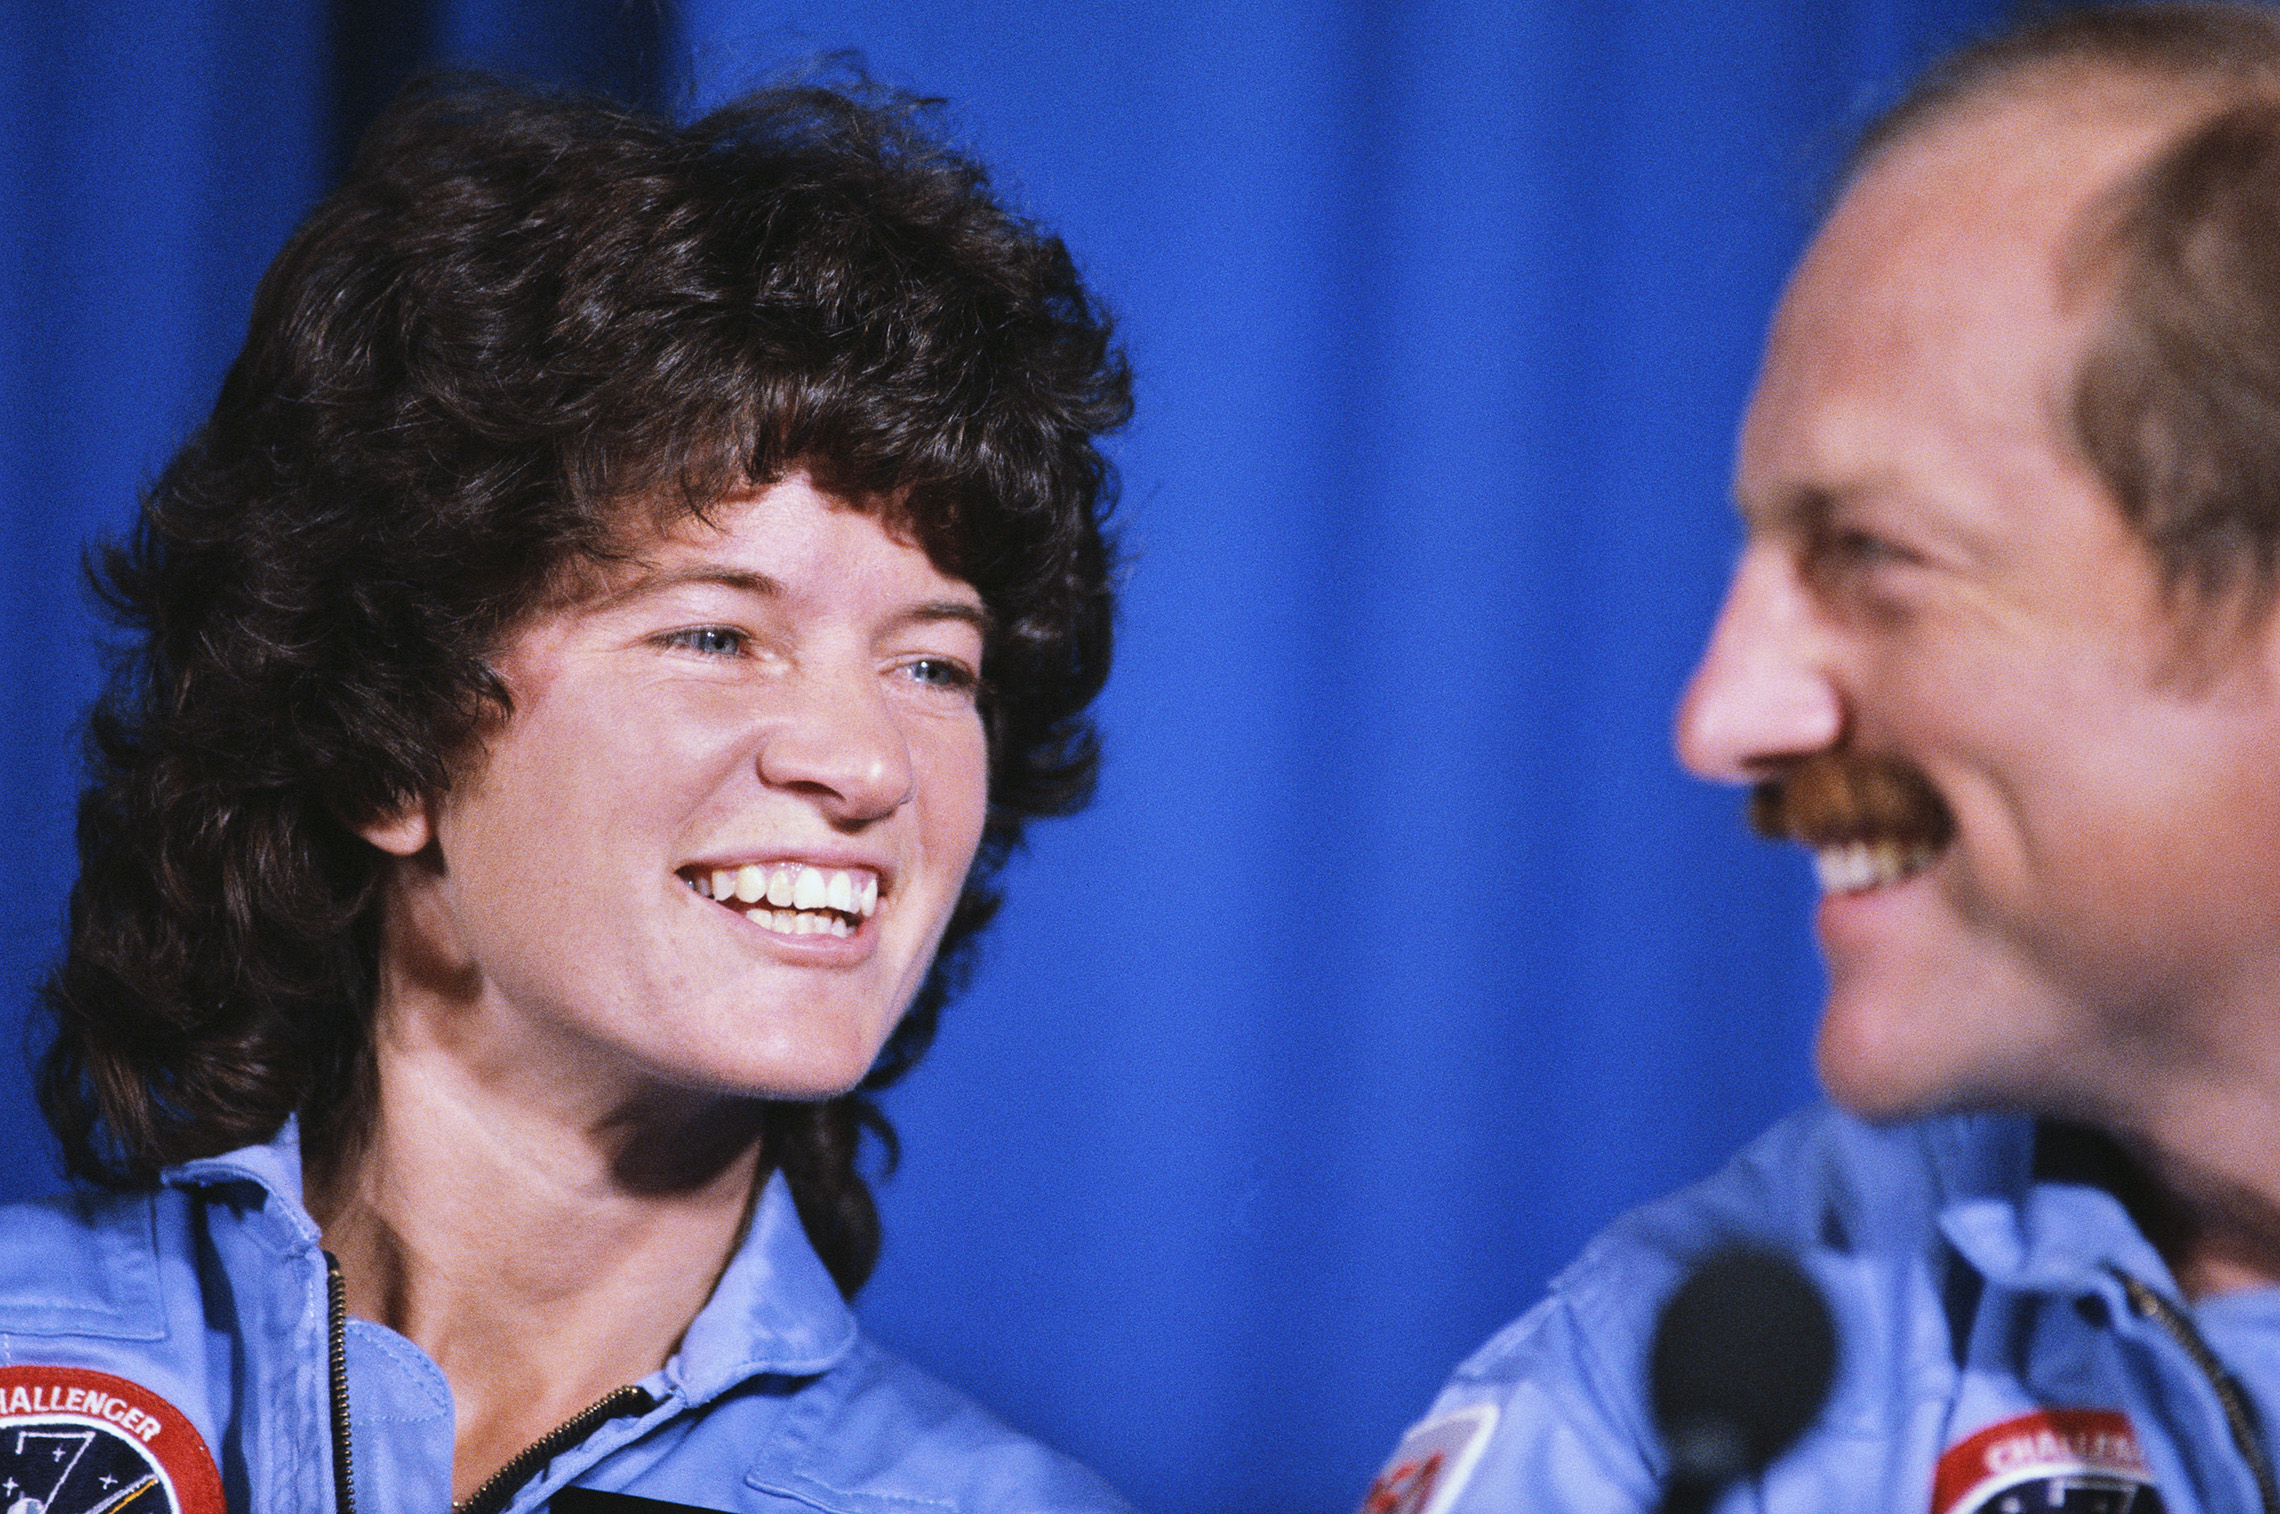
point(711, 641)
point(939, 672)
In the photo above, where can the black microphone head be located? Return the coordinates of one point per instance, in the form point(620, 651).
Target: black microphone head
point(1743, 1358)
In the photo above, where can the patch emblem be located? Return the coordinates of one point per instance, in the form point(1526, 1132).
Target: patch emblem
point(79, 1442)
point(2082, 1461)
point(1432, 1464)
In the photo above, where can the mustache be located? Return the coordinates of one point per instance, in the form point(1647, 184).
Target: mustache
point(1831, 798)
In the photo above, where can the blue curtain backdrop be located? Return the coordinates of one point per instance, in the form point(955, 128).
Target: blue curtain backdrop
point(1396, 955)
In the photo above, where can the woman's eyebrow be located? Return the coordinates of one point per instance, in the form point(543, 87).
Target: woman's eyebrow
point(976, 616)
point(651, 580)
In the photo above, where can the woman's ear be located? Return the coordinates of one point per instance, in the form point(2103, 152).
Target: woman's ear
point(403, 831)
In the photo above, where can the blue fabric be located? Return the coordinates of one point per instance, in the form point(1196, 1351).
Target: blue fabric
point(1969, 1293)
point(1395, 956)
point(211, 1293)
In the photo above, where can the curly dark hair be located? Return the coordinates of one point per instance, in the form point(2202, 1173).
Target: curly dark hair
point(521, 317)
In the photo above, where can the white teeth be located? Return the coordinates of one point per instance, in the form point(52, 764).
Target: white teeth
point(793, 898)
point(1858, 865)
point(792, 922)
point(1841, 869)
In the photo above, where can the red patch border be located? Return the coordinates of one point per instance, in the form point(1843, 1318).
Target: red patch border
point(1429, 1478)
point(170, 1439)
point(2088, 1440)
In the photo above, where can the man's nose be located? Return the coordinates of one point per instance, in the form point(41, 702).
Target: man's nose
point(1762, 694)
point(838, 741)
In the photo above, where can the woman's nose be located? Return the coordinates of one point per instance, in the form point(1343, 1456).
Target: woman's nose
point(840, 743)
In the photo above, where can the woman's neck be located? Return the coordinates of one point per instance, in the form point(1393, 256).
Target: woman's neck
point(542, 1256)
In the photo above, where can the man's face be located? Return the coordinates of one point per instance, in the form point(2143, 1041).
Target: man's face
point(2050, 861)
point(715, 843)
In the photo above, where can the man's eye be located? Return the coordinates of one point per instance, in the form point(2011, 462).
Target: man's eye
point(712, 641)
point(1842, 549)
point(1860, 546)
point(1842, 546)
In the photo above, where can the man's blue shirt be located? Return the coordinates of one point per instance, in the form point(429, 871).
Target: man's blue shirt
point(2007, 1333)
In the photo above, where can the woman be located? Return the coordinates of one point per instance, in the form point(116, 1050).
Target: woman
point(633, 590)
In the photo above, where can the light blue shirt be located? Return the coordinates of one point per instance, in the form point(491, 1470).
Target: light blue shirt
point(210, 1294)
point(2001, 1322)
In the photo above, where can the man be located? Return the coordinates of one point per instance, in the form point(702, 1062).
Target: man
point(2001, 649)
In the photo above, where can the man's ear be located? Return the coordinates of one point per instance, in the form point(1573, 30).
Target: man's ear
point(403, 831)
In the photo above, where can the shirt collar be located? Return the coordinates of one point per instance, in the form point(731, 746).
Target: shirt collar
point(774, 1310)
point(273, 1166)
point(2064, 1222)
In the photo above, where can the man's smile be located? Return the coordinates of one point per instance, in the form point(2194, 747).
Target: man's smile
point(1869, 819)
point(1857, 866)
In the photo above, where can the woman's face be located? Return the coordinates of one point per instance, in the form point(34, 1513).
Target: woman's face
point(715, 842)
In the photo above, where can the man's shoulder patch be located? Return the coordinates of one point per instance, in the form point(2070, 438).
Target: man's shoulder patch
point(1432, 1464)
point(79, 1442)
point(2052, 1459)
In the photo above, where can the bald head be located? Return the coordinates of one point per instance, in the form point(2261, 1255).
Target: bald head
point(2155, 129)
point(2217, 52)
point(1942, 296)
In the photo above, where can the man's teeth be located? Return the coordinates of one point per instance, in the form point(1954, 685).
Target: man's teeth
point(802, 900)
point(1858, 865)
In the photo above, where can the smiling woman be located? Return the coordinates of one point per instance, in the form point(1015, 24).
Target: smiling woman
point(782, 690)
point(635, 586)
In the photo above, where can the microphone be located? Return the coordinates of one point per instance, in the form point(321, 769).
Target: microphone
point(1743, 1358)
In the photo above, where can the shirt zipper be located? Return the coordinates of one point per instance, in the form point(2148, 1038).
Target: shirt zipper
point(501, 1485)
point(2148, 1304)
point(336, 1354)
